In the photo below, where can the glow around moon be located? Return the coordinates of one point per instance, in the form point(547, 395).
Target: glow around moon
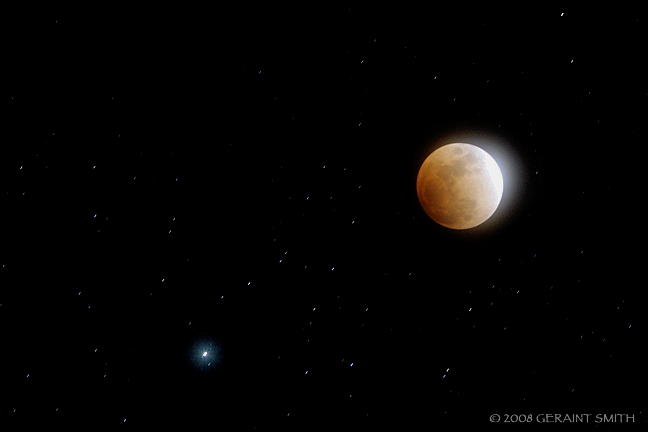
point(459, 186)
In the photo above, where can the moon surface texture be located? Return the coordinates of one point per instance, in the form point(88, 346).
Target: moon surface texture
point(459, 186)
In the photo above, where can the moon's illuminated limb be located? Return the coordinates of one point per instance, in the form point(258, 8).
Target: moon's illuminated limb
point(459, 186)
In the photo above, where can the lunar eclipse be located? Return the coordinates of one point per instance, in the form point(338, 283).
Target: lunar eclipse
point(459, 186)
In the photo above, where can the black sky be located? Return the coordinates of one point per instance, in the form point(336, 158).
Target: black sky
point(242, 183)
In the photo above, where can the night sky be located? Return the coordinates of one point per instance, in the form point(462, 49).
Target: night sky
point(209, 218)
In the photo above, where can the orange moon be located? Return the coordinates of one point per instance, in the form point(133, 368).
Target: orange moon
point(459, 186)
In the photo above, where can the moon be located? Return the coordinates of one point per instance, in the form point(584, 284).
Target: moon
point(459, 186)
